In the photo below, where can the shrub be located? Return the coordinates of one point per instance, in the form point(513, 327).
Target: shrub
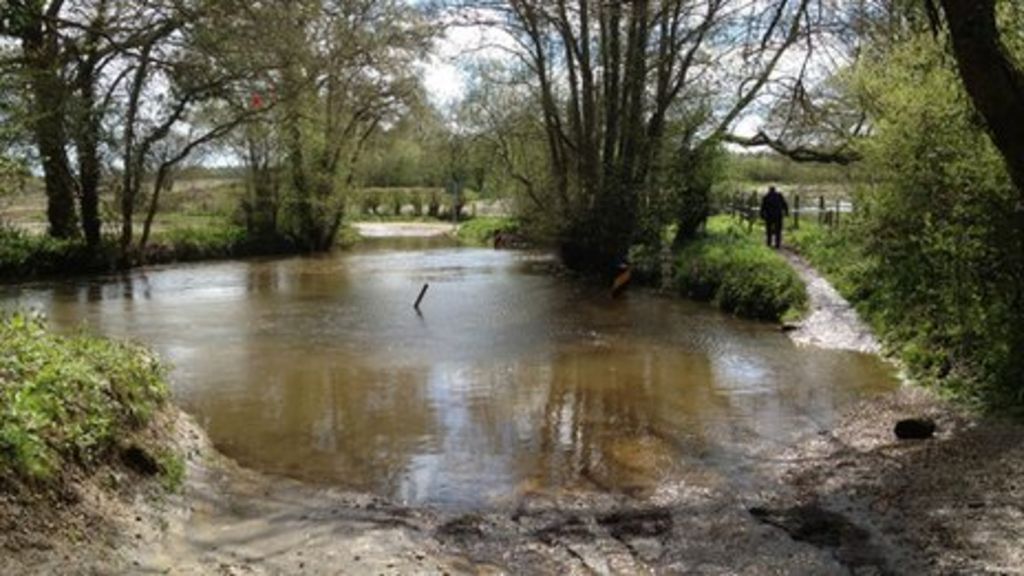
point(205, 242)
point(26, 255)
point(481, 231)
point(731, 268)
point(69, 399)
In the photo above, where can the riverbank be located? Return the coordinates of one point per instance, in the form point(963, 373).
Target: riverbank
point(854, 499)
point(29, 256)
point(851, 498)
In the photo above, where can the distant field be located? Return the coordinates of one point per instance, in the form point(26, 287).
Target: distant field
point(202, 202)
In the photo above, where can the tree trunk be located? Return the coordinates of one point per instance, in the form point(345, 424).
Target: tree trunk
point(88, 158)
point(49, 95)
point(993, 81)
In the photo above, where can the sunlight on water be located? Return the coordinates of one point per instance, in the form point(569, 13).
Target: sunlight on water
point(511, 382)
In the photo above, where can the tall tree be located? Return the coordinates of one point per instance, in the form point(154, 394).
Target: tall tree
point(614, 79)
point(994, 80)
point(34, 25)
point(342, 68)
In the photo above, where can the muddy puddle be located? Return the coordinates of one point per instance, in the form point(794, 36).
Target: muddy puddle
point(511, 382)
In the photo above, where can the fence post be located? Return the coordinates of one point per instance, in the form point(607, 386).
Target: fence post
point(796, 212)
point(821, 209)
point(753, 211)
point(839, 206)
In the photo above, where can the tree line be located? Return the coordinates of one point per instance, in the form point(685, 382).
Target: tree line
point(113, 95)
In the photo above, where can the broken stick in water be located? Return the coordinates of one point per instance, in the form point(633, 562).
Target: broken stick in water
point(423, 293)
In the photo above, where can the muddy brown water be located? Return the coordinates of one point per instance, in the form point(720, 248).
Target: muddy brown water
point(512, 381)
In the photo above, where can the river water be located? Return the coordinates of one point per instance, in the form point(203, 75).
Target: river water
point(512, 381)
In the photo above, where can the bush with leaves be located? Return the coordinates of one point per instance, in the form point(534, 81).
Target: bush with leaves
point(68, 400)
point(732, 268)
point(936, 254)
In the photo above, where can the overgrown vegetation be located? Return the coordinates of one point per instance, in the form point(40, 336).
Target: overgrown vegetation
point(24, 255)
point(68, 401)
point(481, 231)
point(935, 255)
point(732, 268)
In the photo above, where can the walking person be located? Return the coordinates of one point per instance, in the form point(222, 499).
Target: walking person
point(773, 210)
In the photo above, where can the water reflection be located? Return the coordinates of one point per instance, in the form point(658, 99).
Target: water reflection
point(511, 382)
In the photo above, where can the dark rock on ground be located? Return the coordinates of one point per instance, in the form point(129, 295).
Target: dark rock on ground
point(915, 429)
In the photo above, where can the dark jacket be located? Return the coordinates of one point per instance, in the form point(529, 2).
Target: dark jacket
point(773, 206)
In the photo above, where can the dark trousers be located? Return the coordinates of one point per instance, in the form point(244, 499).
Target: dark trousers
point(773, 229)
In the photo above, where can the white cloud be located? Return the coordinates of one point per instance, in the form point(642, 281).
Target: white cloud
point(445, 74)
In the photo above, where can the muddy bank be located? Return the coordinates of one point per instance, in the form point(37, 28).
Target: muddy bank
point(953, 504)
point(855, 499)
point(234, 521)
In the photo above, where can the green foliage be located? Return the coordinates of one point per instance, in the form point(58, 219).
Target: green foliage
point(481, 231)
point(69, 399)
point(770, 168)
point(839, 254)
point(25, 255)
point(733, 269)
point(384, 203)
point(205, 242)
point(172, 470)
point(935, 256)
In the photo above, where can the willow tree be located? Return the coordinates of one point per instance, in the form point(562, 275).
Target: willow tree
point(335, 71)
point(627, 88)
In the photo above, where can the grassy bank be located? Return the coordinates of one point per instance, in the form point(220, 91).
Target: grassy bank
point(25, 256)
point(480, 231)
point(71, 403)
point(732, 268)
point(940, 330)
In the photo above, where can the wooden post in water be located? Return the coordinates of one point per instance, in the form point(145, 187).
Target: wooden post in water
point(821, 209)
point(796, 211)
point(423, 293)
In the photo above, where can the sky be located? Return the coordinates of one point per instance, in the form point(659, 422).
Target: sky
point(446, 79)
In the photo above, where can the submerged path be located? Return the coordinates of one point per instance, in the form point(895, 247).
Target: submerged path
point(403, 229)
point(831, 321)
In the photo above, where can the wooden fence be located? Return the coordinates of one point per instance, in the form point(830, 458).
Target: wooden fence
point(829, 213)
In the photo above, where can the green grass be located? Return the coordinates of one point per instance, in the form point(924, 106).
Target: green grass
point(204, 242)
point(26, 255)
point(69, 400)
point(842, 262)
point(480, 231)
point(732, 268)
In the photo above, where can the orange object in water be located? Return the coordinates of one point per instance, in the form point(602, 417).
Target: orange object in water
point(621, 282)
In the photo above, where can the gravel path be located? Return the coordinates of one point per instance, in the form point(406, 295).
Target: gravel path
point(832, 322)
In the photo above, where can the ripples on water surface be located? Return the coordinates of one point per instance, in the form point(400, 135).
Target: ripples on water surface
point(512, 381)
